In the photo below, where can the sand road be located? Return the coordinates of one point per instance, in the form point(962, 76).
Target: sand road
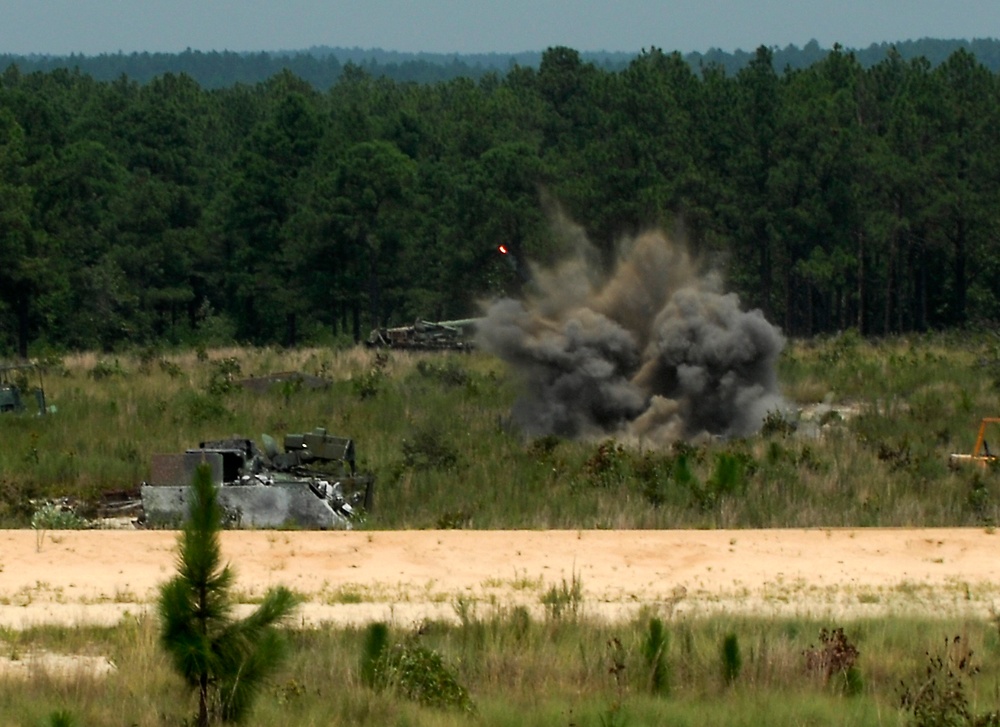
point(101, 576)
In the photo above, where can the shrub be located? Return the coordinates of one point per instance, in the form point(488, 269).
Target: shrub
point(654, 652)
point(104, 370)
point(223, 375)
point(732, 659)
point(375, 645)
point(429, 448)
point(938, 698)
point(834, 661)
point(565, 598)
point(777, 424)
point(370, 383)
point(52, 516)
point(449, 373)
point(607, 466)
point(416, 673)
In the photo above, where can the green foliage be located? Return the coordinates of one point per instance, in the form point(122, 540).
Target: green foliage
point(172, 213)
point(371, 382)
point(880, 464)
point(223, 659)
point(198, 408)
point(777, 424)
point(607, 465)
point(61, 718)
point(614, 715)
point(376, 645)
point(223, 376)
point(454, 520)
point(728, 479)
point(732, 659)
point(54, 516)
point(521, 673)
point(654, 653)
point(979, 498)
point(429, 448)
point(106, 370)
point(448, 372)
point(416, 673)
point(564, 600)
point(170, 368)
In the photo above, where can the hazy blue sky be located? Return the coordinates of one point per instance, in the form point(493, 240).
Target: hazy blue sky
point(469, 26)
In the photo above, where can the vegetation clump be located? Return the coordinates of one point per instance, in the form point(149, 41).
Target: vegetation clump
point(834, 660)
point(412, 670)
point(939, 698)
point(223, 659)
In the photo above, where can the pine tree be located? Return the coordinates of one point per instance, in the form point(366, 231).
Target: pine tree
point(224, 659)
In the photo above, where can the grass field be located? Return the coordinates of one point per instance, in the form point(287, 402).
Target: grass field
point(552, 671)
point(434, 429)
point(869, 449)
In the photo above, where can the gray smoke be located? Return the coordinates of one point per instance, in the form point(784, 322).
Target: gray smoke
point(652, 351)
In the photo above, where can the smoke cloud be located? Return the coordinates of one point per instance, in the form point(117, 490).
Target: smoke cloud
point(652, 351)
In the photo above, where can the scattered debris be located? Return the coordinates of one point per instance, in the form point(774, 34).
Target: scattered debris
point(981, 454)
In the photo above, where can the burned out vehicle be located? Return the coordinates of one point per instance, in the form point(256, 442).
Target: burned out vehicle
point(427, 336)
point(313, 483)
point(16, 386)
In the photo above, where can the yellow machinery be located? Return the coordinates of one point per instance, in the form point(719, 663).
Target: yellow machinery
point(981, 454)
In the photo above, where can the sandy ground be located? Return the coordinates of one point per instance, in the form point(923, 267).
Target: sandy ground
point(84, 577)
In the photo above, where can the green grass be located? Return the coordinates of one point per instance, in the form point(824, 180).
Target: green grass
point(534, 672)
point(434, 428)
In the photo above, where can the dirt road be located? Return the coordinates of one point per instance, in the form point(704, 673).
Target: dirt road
point(78, 577)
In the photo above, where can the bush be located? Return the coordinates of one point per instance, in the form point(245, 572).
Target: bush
point(732, 659)
point(564, 599)
point(654, 652)
point(52, 516)
point(834, 661)
point(415, 672)
point(428, 448)
point(938, 698)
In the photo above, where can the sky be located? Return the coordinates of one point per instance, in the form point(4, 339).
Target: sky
point(91, 27)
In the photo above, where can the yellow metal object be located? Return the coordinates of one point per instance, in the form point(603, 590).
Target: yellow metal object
point(981, 454)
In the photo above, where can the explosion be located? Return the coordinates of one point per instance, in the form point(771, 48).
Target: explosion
point(652, 351)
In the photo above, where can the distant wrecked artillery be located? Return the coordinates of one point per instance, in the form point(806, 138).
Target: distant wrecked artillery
point(427, 336)
point(312, 484)
point(981, 454)
point(15, 384)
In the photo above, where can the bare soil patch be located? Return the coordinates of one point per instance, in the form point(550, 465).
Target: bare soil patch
point(101, 576)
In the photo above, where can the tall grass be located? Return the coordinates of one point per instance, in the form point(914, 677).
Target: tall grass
point(534, 672)
point(434, 428)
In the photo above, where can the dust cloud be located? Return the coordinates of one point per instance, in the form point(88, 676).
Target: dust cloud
point(651, 351)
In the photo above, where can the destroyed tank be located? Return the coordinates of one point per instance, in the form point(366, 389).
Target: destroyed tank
point(15, 385)
point(313, 483)
point(427, 336)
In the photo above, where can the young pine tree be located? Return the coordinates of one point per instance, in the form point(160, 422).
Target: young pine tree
point(224, 659)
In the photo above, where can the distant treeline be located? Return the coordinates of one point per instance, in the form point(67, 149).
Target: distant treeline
point(322, 66)
point(834, 196)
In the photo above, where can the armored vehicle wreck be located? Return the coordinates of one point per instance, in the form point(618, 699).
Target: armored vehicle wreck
point(14, 385)
point(312, 484)
point(427, 336)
